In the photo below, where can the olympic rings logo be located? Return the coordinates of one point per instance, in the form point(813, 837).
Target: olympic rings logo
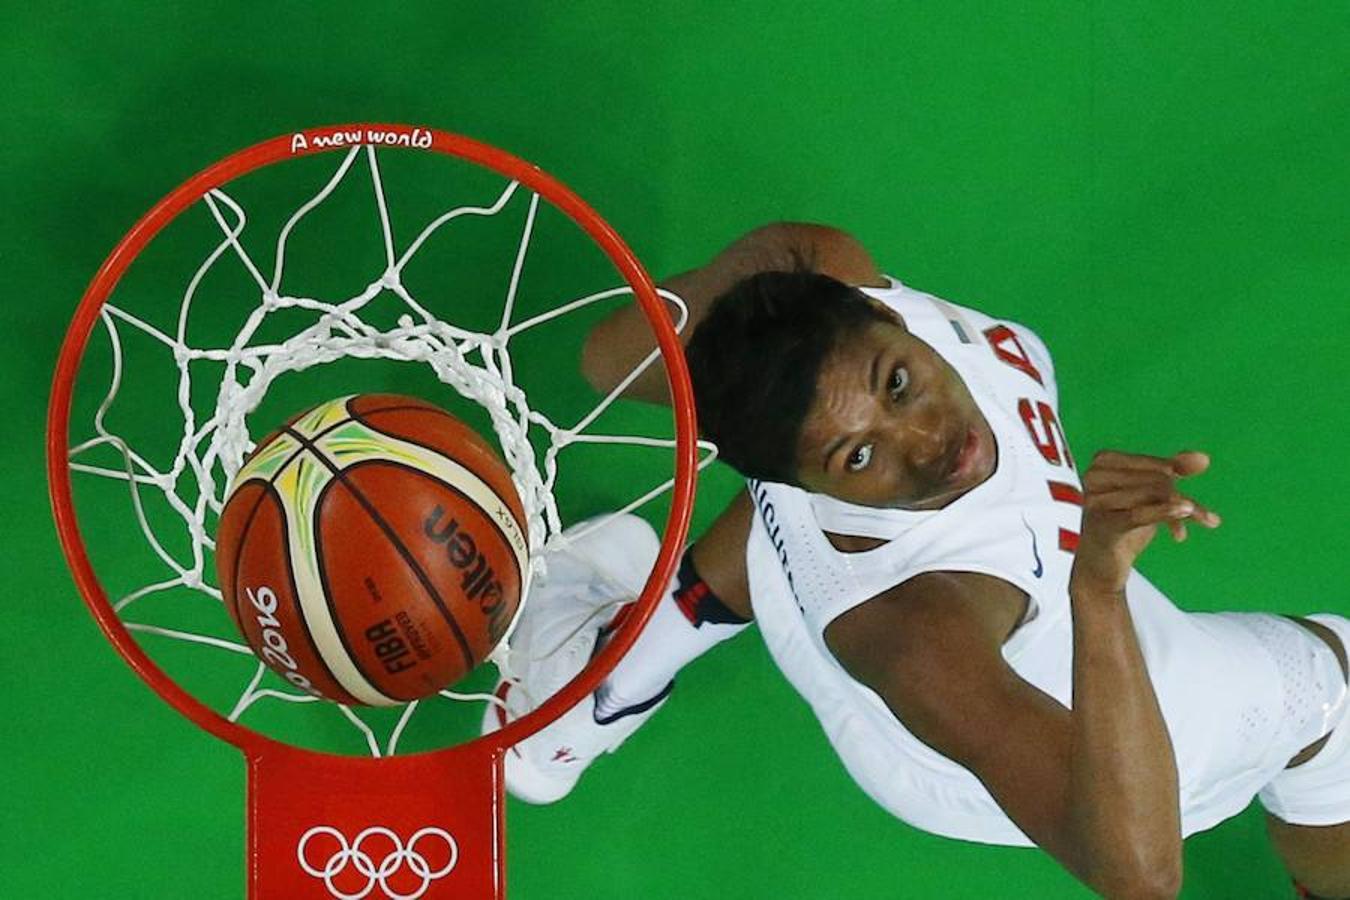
point(363, 863)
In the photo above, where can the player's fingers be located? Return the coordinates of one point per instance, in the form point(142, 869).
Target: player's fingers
point(1116, 459)
point(1178, 529)
point(1183, 464)
point(1194, 462)
point(1155, 513)
point(1125, 479)
point(1148, 493)
point(1121, 488)
point(1205, 516)
point(1190, 462)
point(1200, 514)
point(1150, 503)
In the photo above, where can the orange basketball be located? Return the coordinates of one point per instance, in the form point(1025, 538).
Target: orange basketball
point(373, 550)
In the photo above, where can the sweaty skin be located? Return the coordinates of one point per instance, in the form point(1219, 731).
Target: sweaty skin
point(1096, 786)
point(893, 425)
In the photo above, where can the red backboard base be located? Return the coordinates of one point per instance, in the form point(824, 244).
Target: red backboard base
point(351, 828)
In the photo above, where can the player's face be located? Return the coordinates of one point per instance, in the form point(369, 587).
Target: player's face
point(893, 425)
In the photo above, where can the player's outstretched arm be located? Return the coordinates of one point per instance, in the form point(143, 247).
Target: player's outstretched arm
point(1096, 786)
point(1123, 762)
point(623, 339)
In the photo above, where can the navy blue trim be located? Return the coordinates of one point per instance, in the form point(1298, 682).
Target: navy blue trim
point(635, 709)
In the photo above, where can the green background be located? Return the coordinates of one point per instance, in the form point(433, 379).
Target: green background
point(1159, 190)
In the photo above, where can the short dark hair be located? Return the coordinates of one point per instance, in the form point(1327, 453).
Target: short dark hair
point(755, 359)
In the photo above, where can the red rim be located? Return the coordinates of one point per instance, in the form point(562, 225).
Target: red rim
point(320, 140)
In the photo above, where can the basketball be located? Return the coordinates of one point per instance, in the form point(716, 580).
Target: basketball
point(372, 550)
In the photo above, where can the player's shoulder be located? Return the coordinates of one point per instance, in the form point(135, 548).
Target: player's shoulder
point(846, 259)
point(920, 621)
point(955, 323)
point(827, 250)
point(938, 606)
point(986, 322)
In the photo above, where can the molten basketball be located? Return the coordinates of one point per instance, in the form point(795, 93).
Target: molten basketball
point(372, 550)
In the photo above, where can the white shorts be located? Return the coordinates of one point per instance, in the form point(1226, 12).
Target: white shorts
point(1318, 792)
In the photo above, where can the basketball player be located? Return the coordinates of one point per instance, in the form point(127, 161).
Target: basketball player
point(957, 605)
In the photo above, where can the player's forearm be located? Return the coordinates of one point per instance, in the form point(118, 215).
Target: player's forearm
point(624, 339)
point(1123, 779)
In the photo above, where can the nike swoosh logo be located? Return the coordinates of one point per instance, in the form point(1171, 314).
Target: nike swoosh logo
point(1040, 566)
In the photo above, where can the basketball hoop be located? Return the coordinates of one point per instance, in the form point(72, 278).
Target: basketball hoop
point(426, 824)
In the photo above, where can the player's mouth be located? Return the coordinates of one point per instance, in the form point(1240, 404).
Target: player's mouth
point(966, 458)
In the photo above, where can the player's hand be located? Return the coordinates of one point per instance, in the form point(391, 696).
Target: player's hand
point(1126, 496)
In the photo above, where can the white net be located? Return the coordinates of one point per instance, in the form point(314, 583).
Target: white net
point(214, 441)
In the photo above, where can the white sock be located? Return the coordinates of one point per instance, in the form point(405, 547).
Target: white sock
point(689, 621)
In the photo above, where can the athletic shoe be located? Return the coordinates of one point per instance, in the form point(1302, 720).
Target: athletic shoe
point(569, 611)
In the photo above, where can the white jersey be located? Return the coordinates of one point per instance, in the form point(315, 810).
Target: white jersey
point(1215, 682)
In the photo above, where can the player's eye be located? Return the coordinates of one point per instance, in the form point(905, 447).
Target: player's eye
point(859, 458)
point(899, 381)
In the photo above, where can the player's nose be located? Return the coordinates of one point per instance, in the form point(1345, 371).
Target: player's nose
point(923, 438)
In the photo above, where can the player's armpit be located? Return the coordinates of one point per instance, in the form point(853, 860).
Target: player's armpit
point(931, 648)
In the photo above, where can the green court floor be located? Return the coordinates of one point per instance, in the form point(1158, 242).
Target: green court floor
point(1160, 190)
